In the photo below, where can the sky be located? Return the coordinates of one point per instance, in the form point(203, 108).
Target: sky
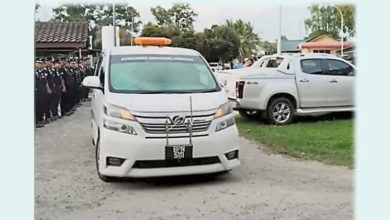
point(263, 16)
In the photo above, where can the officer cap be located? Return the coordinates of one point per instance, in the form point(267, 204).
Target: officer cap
point(38, 60)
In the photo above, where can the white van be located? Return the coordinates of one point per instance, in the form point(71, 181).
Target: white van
point(159, 111)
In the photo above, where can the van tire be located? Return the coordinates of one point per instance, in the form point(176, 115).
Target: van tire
point(280, 111)
point(101, 176)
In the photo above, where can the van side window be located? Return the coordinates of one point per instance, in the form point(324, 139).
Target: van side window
point(338, 68)
point(311, 66)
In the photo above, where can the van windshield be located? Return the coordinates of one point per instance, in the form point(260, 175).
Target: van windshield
point(160, 74)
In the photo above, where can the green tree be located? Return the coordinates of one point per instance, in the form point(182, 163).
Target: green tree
point(268, 47)
point(162, 16)
point(249, 40)
point(180, 15)
point(219, 43)
point(327, 20)
point(100, 15)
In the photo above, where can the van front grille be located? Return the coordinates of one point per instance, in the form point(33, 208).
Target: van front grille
point(159, 128)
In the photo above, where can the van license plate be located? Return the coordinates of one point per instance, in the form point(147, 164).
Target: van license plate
point(177, 152)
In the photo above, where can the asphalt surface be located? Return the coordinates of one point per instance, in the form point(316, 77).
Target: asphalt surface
point(263, 187)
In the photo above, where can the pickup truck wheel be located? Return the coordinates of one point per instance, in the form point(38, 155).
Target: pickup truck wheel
point(280, 111)
point(97, 157)
point(248, 113)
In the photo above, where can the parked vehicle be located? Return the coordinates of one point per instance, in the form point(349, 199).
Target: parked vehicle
point(159, 111)
point(301, 84)
point(215, 66)
point(228, 78)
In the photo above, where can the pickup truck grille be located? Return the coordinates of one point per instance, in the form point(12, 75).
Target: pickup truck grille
point(198, 126)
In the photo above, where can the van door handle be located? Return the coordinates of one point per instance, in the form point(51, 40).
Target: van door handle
point(333, 81)
point(304, 80)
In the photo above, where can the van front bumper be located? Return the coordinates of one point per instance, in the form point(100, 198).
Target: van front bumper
point(145, 157)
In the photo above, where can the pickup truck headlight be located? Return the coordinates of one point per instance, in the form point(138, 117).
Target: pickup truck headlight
point(117, 126)
point(223, 110)
point(225, 124)
point(118, 112)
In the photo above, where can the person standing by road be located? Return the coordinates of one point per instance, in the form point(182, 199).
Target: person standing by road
point(74, 73)
point(89, 72)
point(40, 93)
point(79, 76)
point(55, 86)
point(64, 102)
point(46, 71)
point(248, 62)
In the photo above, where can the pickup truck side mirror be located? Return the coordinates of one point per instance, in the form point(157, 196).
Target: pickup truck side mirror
point(92, 82)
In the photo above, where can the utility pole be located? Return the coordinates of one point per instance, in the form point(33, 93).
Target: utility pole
point(342, 30)
point(279, 43)
point(113, 22)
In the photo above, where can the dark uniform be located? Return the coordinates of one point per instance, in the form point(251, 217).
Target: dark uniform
point(78, 77)
point(88, 72)
point(41, 96)
point(55, 86)
point(72, 94)
point(46, 107)
point(65, 105)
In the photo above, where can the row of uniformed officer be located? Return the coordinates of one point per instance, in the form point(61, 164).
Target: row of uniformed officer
point(58, 83)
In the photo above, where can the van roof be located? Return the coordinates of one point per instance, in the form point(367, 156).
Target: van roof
point(125, 50)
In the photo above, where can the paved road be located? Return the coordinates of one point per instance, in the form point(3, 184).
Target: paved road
point(264, 187)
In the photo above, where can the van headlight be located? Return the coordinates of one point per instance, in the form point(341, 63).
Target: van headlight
point(224, 110)
point(118, 112)
point(225, 124)
point(120, 127)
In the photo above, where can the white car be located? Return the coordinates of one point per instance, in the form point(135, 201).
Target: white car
point(299, 84)
point(159, 111)
point(215, 67)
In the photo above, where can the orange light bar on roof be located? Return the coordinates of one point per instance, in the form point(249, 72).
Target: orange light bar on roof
point(152, 41)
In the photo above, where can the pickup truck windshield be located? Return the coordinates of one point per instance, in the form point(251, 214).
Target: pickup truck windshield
point(160, 74)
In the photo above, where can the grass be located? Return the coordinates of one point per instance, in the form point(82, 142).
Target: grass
point(328, 141)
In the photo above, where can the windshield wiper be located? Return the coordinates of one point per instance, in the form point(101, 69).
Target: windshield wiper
point(156, 92)
point(178, 91)
point(210, 90)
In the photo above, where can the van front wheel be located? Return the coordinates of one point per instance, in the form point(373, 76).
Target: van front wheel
point(280, 111)
point(97, 158)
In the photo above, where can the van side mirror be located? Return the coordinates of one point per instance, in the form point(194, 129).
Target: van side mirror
point(92, 82)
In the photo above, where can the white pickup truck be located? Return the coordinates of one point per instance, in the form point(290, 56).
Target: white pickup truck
point(278, 87)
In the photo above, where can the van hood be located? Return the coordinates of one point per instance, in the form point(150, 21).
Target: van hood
point(168, 102)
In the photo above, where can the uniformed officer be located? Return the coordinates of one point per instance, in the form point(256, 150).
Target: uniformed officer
point(58, 89)
point(65, 95)
point(88, 72)
point(78, 77)
point(55, 86)
point(72, 74)
point(38, 94)
point(46, 65)
point(41, 91)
